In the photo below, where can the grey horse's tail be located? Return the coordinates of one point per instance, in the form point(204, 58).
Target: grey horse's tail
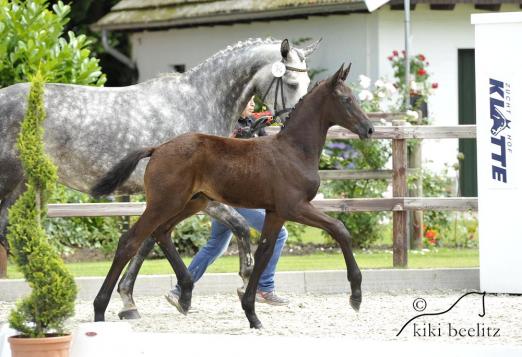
point(119, 173)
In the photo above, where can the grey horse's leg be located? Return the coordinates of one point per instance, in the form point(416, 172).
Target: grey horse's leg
point(228, 216)
point(239, 226)
point(126, 284)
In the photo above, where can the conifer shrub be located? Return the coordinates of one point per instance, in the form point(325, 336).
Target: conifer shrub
point(53, 288)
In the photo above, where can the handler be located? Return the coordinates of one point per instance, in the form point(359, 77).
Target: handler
point(220, 235)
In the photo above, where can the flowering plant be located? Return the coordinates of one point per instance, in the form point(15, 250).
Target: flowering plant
point(381, 97)
point(420, 84)
point(430, 236)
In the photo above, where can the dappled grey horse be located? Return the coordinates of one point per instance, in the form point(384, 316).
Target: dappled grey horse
point(89, 129)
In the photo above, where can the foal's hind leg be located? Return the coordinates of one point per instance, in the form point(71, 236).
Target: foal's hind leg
point(163, 237)
point(239, 226)
point(226, 215)
point(128, 245)
point(311, 216)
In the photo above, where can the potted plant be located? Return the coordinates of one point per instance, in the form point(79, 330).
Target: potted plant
point(40, 316)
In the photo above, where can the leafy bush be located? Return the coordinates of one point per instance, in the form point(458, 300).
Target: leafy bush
point(53, 289)
point(31, 39)
point(82, 232)
point(361, 155)
point(191, 234)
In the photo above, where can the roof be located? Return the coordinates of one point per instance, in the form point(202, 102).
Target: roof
point(137, 15)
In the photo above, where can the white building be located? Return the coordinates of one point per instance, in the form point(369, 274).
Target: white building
point(168, 34)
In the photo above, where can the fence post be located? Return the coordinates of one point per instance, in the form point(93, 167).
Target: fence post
point(416, 217)
point(400, 227)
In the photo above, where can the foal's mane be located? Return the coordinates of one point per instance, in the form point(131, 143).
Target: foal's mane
point(300, 101)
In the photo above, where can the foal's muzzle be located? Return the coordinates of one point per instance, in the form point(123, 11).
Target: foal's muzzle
point(366, 131)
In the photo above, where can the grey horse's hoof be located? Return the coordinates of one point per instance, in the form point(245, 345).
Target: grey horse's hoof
point(355, 303)
point(132, 314)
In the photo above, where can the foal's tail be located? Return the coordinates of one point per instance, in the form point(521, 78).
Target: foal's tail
point(120, 172)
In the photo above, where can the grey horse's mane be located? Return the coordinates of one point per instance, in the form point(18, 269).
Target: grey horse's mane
point(232, 48)
point(251, 42)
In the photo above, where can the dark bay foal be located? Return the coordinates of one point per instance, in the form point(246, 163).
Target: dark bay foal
point(277, 173)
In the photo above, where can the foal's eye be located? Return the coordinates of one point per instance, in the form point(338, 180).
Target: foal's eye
point(293, 84)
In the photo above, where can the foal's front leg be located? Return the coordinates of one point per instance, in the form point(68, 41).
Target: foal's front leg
point(265, 249)
point(309, 215)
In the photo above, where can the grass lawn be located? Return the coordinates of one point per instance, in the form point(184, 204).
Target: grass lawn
point(441, 258)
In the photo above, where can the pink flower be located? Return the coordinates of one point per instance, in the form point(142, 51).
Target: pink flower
point(421, 57)
point(421, 72)
point(435, 85)
point(395, 53)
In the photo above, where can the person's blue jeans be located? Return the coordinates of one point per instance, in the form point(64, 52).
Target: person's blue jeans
point(218, 243)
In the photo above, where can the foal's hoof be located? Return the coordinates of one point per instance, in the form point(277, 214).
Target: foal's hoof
point(355, 303)
point(131, 314)
point(257, 325)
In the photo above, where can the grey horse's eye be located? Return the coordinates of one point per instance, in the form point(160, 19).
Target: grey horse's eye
point(293, 84)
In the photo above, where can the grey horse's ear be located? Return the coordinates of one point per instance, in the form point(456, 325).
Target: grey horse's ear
point(308, 50)
point(285, 48)
point(337, 77)
point(346, 71)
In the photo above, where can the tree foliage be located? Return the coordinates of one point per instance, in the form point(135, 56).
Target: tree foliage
point(53, 289)
point(32, 38)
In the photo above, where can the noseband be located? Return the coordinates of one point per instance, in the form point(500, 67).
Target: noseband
point(278, 80)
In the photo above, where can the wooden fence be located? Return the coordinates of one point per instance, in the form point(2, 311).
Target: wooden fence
point(399, 204)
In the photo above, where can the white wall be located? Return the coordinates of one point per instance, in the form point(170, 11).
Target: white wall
point(438, 35)
point(344, 40)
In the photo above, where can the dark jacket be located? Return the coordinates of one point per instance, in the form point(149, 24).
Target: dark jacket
point(244, 126)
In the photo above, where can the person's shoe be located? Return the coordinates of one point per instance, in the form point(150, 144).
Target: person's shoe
point(173, 298)
point(271, 298)
point(265, 297)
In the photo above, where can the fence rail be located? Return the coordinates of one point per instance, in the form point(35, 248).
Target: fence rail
point(394, 204)
point(404, 132)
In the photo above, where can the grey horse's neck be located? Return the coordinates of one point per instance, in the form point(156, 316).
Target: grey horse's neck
point(226, 78)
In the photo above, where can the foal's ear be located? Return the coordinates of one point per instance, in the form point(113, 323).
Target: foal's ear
point(346, 71)
point(337, 77)
point(285, 48)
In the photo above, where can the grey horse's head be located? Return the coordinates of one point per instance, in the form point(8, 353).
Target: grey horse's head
point(295, 77)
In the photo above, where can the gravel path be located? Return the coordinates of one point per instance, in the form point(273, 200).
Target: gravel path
point(380, 318)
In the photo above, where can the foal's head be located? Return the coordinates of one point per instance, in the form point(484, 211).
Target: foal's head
point(342, 108)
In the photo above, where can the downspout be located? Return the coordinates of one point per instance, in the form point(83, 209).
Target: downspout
point(407, 48)
point(115, 53)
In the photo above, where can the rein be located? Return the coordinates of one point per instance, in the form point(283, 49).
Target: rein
point(278, 80)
